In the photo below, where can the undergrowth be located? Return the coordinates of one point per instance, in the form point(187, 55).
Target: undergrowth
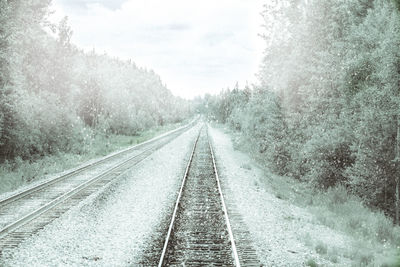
point(18, 172)
point(377, 240)
point(340, 210)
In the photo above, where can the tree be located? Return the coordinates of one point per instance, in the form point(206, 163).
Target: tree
point(61, 79)
point(332, 69)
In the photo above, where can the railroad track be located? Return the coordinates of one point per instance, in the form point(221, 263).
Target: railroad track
point(26, 212)
point(199, 231)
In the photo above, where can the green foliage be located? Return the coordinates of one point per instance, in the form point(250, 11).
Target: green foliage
point(325, 156)
point(17, 172)
point(329, 115)
point(266, 129)
point(258, 115)
point(338, 209)
point(54, 97)
point(397, 4)
point(321, 248)
point(311, 263)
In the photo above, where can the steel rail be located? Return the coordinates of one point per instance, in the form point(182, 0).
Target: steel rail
point(45, 184)
point(228, 224)
point(38, 212)
point(171, 225)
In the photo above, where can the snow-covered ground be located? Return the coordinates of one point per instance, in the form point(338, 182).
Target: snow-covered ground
point(108, 228)
point(283, 234)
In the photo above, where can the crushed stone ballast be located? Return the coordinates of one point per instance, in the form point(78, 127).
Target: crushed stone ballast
point(28, 211)
point(199, 231)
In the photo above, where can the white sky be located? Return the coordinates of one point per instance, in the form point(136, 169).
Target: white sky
point(196, 47)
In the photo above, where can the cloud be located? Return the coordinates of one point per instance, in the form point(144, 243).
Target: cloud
point(171, 27)
point(195, 46)
point(84, 5)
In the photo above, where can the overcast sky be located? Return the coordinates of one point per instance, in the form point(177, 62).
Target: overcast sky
point(196, 47)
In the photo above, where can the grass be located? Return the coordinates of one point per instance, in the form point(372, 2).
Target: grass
point(321, 248)
point(311, 263)
point(339, 210)
point(377, 240)
point(17, 173)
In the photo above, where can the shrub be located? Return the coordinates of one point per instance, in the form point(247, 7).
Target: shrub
point(311, 263)
point(354, 216)
point(266, 130)
point(321, 248)
point(326, 156)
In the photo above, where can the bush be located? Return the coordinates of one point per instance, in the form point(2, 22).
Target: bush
point(354, 216)
point(321, 248)
point(311, 263)
point(266, 130)
point(326, 156)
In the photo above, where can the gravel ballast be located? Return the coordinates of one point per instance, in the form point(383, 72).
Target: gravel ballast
point(283, 234)
point(109, 228)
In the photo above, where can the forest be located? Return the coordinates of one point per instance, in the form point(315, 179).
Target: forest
point(308, 151)
point(326, 108)
point(54, 97)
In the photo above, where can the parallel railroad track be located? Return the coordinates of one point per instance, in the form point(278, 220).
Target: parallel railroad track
point(26, 212)
point(199, 232)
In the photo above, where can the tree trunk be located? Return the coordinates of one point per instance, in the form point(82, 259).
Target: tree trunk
point(397, 172)
point(397, 201)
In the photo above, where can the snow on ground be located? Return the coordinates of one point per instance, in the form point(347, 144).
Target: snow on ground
point(283, 234)
point(108, 229)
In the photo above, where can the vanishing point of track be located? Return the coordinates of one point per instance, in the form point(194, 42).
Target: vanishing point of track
point(199, 232)
point(28, 211)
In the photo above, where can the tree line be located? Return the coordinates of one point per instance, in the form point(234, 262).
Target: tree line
point(55, 97)
point(326, 108)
